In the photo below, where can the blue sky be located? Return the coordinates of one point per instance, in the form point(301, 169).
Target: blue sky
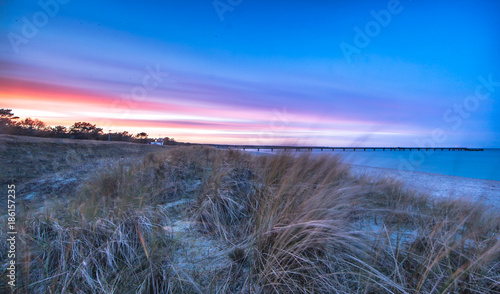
point(268, 72)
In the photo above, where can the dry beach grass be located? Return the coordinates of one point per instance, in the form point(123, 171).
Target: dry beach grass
point(201, 220)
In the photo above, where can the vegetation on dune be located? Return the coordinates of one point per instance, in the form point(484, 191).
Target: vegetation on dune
point(12, 125)
point(201, 220)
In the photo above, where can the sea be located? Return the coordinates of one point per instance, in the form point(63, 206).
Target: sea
point(470, 164)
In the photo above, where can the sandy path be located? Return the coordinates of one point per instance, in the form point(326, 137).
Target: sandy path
point(439, 185)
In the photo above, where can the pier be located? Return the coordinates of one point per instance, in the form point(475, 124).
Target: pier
point(328, 148)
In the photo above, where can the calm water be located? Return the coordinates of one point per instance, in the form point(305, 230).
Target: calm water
point(481, 164)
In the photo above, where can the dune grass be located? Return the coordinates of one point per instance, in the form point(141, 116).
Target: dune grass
point(276, 224)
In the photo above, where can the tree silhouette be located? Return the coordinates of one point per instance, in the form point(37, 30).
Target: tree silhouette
point(7, 119)
point(142, 137)
point(169, 141)
point(32, 124)
point(125, 136)
point(59, 131)
point(84, 130)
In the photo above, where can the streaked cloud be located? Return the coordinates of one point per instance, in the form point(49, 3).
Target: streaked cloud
point(258, 77)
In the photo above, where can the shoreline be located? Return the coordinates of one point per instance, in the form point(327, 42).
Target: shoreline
point(438, 185)
point(433, 184)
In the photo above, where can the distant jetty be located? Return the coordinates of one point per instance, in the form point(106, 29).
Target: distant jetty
point(326, 148)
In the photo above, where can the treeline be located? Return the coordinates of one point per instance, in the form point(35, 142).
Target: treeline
point(11, 124)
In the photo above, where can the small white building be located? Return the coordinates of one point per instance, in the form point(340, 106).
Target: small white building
point(157, 142)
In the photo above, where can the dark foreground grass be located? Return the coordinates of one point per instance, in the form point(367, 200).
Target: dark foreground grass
point(282, 225)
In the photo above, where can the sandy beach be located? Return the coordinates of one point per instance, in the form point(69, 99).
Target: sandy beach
point(439, 185)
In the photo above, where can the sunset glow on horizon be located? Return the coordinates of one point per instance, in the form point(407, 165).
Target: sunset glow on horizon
point(267, 73)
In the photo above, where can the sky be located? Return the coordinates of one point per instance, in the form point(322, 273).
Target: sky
point(324, 73)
